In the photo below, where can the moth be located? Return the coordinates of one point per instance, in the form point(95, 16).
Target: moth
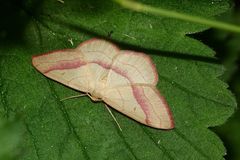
point(125, 80)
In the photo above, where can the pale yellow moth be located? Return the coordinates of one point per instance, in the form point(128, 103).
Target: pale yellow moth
point(125, 80)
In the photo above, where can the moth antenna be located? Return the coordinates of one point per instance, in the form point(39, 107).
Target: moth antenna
point(114, 118)
point(80, 95)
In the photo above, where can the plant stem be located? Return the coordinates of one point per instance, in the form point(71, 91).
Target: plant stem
point(139, 7)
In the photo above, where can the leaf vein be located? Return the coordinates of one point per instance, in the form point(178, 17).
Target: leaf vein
point(162, 148)
point(33, 140)
point(124, 141)
point(68, 121)
point(180, 86)
point(192, 144)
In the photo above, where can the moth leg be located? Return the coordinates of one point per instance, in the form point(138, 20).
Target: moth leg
point(114, 118)
point(76, 96)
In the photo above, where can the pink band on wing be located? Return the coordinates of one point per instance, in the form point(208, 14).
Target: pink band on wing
point(62, 65)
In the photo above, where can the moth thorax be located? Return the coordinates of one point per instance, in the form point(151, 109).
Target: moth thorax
point(97, 92)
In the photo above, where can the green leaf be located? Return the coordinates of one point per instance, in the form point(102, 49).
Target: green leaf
point(140, 7)
point(10, 138)
point(81, 129)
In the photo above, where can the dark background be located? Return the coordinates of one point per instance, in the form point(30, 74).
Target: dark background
point(227, 47)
